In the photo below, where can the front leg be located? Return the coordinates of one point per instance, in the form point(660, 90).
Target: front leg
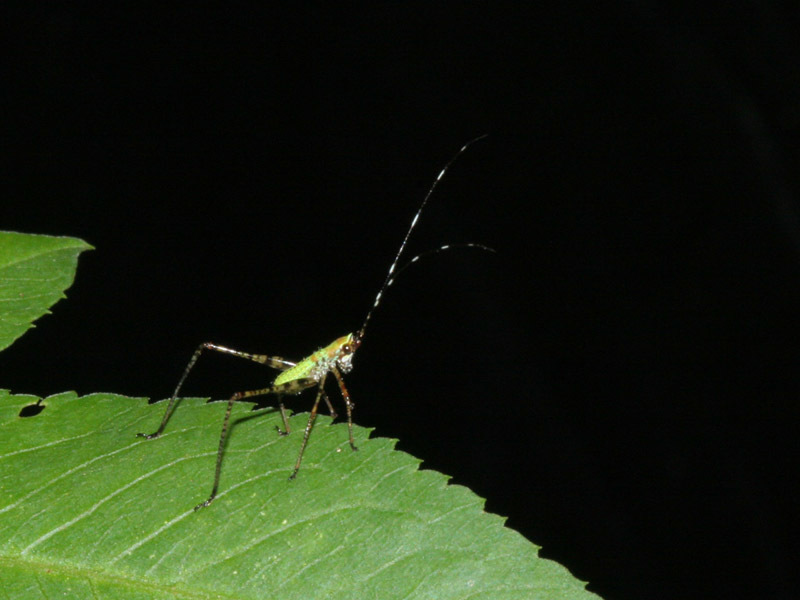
point(349, 405)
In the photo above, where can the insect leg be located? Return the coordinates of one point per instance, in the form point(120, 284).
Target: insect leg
point(330, 406)
point(349, 404)
point(275, 362)
point(311, 418)
point(286, 429)
point(290, 387)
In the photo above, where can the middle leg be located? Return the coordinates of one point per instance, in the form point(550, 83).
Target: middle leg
point(290, 387)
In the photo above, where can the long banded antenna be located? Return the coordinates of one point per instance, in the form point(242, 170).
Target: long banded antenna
point(389, 276)
point(443, 248)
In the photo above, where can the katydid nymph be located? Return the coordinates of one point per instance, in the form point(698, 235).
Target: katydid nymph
point(334, 359)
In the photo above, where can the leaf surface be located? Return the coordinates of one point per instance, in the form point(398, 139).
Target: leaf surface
point(34, 272)
point(88, 508)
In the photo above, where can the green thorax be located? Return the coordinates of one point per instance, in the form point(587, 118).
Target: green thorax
point(336, 354)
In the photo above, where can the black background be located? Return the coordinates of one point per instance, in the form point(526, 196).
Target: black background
point(619, 379)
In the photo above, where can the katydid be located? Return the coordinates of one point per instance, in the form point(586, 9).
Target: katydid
point(334, 359)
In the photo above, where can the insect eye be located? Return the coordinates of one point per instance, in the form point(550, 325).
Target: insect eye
point(347, 349)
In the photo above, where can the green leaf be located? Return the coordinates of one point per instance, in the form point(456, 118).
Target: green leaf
point(34, 272)
point(89, 510)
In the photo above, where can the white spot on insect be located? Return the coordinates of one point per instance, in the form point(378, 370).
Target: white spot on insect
point(322, 367)
point(346, 363)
